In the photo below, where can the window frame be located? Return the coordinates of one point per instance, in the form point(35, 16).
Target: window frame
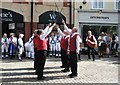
point(97, 6)
point(115, 5)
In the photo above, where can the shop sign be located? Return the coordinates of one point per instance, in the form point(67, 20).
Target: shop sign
point(6, 16)
point(50, 17)
point(98, 17)
point(10, 16)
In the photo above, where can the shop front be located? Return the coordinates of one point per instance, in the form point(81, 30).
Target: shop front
point(50, 17)
point(11, 22)
point(97, 23)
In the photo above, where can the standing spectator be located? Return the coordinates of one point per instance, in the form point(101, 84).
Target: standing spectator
point(5, 45)
point(101, 44)
point(115, 43)
point(12, 45)
point(41, 43)
point(108, 43)
point(73, 48)
point(91, 44)
point(20, 46)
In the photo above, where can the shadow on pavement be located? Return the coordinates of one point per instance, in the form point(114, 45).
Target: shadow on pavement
point(12, 69)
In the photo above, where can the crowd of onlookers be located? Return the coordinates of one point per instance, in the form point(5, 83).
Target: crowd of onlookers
point(108, 44)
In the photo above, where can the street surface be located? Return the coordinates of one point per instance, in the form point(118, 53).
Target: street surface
point(104, 70)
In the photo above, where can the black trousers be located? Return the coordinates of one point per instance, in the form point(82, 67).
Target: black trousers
point(73, 62)
point(66, 59)
point(91, 51)
point(63, 53)
point(35, 59)
point(41, 58)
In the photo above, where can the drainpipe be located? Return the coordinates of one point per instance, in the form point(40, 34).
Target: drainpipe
point(31, 25)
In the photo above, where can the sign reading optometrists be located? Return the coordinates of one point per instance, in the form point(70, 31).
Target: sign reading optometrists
point(93, 17)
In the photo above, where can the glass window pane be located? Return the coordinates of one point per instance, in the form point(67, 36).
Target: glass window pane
point(100, 3)
point(94, 3)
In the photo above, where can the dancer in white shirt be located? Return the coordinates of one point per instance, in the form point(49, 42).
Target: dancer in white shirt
point(4, 46)
point(20, 46)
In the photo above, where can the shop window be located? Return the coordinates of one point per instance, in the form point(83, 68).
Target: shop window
point(19, 25)
point(11, 25)
point(40, 26)
point(117, 4)
point(97, 4)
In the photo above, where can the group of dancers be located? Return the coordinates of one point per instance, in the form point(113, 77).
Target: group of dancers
point(70, 47)
point(67, 41)
point(12, 45)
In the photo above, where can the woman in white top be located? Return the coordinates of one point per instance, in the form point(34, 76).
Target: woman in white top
point(101, 44)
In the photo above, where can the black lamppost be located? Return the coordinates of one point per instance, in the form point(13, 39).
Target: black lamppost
point(70, 14)
point(31, 25)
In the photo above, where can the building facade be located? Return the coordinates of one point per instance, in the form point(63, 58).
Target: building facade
point(23, 16)
point(98, 16)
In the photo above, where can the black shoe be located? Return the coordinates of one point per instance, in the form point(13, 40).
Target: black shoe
point(72, 75)
point(62, 66)
point(65, 70)
point(20, 59)
point(44, 77)
point(40, 78)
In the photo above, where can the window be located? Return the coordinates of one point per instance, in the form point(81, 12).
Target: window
point(19, 25)
point(117, 4)
point(97, 4)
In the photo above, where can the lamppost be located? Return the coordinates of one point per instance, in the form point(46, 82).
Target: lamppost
point(70, 14)
point(31, 25)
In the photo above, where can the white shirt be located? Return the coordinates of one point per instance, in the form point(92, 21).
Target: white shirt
point(46, 31)
point(51, 40)
point(60, 32)
point(4, 42)
point(100, 42)
point(67, 29)
point(20, 43)
point(116, 39)
point(14, 40)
